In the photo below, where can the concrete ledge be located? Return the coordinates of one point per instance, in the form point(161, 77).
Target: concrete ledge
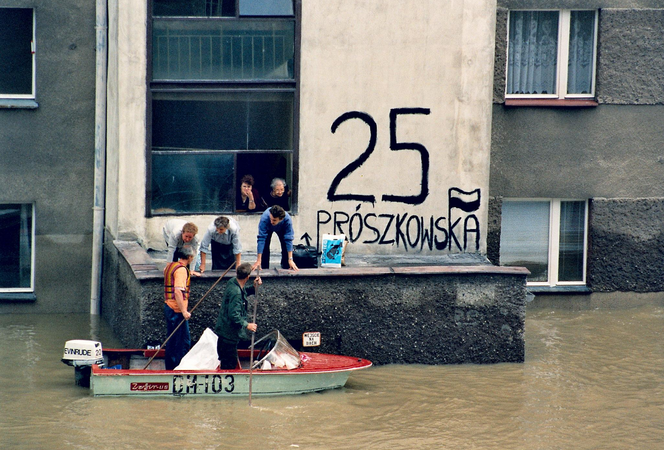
point(18, 297)
point(424, 314)
point(8, 103)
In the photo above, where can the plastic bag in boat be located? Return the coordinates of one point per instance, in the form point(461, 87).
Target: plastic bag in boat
point(274, 352)
point(203, 355)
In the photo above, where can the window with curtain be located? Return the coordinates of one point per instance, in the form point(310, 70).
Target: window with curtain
point(222, 101)
point(548, 237)
point(551, 54)
point(17, 250)
point(17, 56)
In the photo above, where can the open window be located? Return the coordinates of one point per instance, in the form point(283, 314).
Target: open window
point(222, 101)
point(17, 53)
point(17, 250)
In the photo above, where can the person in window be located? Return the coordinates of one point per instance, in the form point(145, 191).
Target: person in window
point(249, 198)
point(278, 195)
point(233, 322)
point(222, 239)
point(177, 279)
point(179, 234)
point(275, 220)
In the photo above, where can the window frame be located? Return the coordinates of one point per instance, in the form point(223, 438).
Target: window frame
point(225, 86)
point(33, 87)
point(564, 23)
point(31, 288)
point(554, 241)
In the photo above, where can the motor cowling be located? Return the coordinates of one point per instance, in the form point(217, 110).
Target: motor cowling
point(82, 354)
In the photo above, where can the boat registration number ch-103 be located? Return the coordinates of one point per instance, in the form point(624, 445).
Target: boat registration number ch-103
point(208, 384)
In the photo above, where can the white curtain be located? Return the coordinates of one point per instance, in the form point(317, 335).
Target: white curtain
point(581, 45)
point(532, 53)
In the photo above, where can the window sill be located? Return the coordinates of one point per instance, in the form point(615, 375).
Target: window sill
point(17, 297)
point(548, 102)
point(576, 290)
point(8, 103)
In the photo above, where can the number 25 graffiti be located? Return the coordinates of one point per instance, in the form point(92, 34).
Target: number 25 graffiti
point(395, 145)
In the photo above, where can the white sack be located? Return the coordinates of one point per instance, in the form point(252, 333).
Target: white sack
point(203, 355)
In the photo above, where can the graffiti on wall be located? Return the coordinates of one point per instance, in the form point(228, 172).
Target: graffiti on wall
point(457, 231)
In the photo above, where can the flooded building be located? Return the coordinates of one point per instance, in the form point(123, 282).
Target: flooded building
point(576, 153)
point(453, 144)
point(47, 147)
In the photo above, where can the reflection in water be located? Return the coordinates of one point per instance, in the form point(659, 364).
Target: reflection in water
point(591, 380)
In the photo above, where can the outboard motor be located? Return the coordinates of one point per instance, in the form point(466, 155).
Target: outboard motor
point(82, 354)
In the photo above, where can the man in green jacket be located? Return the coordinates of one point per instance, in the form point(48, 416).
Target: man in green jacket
point(232, 323)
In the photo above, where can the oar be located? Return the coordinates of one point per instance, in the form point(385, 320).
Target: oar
point(192, 310)
point(253, 336)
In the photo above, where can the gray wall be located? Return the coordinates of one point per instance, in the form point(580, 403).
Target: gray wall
point(613, 150)
point(47, 154)
point(425, 315)
point(611, 153)
point(627, 245)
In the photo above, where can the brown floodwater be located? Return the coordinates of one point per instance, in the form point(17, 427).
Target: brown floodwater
point(592, 380)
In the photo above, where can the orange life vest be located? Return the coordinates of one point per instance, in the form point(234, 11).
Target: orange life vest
point(169, 286)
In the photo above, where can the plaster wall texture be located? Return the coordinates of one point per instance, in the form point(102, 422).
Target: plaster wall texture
point(612, 151)
point(372, 57)
point(127, 98)
point(631, 53)
point(47, 153)
point(627, 245)
point(376, 56)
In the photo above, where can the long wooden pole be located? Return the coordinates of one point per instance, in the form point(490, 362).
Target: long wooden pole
point(253, 336)
point(192, 310)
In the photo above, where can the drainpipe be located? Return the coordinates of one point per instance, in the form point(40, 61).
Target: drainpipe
point(101, 29)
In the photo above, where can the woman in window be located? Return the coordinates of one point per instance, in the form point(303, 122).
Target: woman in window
point(279, 195)
point(249, 198)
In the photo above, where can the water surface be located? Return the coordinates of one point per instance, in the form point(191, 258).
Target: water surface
point(591, 380)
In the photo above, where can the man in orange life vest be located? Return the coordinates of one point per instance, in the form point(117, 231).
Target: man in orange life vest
point(176, 293)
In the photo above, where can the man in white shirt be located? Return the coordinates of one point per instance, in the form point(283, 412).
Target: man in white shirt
point(179, 234)
point(222, 240)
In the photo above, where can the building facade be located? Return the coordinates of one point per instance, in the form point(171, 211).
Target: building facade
point(47, 109)
point(521, 131)
point(576, 157)
point(377, 115)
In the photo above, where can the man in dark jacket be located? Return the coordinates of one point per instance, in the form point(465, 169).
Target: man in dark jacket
point(233, 323)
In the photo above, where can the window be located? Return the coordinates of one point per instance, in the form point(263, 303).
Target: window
point(17, 55)
point(222, 96)
point(551, 54)
point(548, 237)
point(17, 250)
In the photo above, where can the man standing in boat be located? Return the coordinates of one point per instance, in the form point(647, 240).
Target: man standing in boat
point(233, 323)
point(176, 297)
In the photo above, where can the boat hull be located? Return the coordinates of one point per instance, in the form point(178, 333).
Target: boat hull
point(318, 372)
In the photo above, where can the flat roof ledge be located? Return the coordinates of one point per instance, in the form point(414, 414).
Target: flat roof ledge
point(150, 264)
